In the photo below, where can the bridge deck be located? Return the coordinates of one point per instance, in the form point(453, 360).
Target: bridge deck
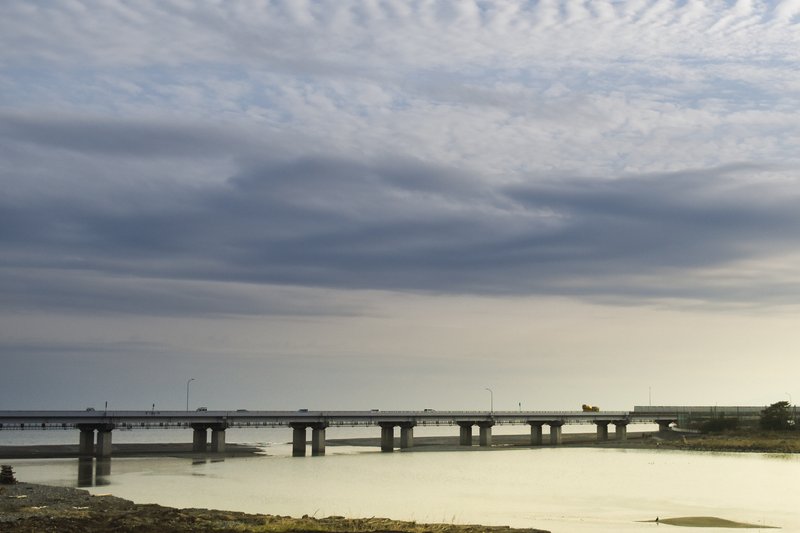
point(240, 418)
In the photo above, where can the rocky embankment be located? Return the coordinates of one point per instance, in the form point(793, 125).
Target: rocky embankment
point(29, 508)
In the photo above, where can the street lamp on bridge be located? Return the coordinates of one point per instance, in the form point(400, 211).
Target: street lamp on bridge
point(491, 401)
point(187, 392)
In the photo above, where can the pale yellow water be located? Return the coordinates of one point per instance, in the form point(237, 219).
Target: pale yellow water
point(563, 489)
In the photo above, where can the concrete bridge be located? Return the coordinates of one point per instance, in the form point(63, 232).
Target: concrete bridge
point(102, 423)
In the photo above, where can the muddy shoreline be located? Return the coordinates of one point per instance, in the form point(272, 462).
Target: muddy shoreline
point(32, 508)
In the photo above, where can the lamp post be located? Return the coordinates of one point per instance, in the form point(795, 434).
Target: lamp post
point(187, 392)
point(491, 401)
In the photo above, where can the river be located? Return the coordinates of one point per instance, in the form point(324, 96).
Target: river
point(559, 489)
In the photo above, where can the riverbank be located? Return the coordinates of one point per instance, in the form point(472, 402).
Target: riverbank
point(739, 441)
point(499, 442)
point(421, 444)
point(31, 508)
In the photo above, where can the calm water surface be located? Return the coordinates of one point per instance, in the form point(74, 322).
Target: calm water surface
point(568, 489)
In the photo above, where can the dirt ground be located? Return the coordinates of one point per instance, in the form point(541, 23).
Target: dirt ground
point(30, 508)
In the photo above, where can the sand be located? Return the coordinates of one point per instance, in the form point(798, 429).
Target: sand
point(708, 521)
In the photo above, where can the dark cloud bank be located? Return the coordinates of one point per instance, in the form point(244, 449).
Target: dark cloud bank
point(394, 223)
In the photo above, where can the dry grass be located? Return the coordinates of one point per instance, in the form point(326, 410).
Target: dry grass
point(744, 441)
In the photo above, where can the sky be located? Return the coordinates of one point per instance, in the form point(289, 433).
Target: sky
point(399, 204)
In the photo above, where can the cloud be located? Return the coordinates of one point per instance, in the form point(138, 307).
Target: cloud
point(402, 224)
point(456, 147)
point(105, 136)
point(63, 291)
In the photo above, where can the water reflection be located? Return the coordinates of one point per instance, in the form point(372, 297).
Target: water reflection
point(93, 472)
point(207, 460)
point(97, 472)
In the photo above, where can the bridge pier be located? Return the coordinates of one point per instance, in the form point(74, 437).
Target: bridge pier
point(199, 438)
point(103, 448)
point(621, 429)
point(299, 438)
point(406, 436)
point(485, 434)
point(602, 431)
point(555, 432)
point(318, 440)
point(86, 441)
point(387, 436)
point(465, 433)
point(217, 440)
point(536, 433)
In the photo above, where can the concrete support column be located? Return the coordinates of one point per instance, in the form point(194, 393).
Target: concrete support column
point(406, 436)
point(86, 443)
point(555, 432)
point(486, 434)
point(622, 430)
point(199, 439)
point(218, 440)
point(298, 440)
point(318, 440)
point(387, 437)
point(602, 431)
point(103, 448)
point(536, 433)
point(465, 433)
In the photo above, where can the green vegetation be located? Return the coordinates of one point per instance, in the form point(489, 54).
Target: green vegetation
point(741, 441)
point(719, 425)
point(778, 416)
